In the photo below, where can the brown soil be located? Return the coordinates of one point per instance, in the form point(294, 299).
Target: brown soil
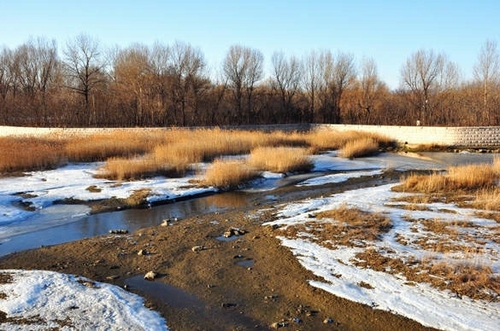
point(220, 293)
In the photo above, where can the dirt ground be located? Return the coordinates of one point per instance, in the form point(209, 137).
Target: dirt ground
point(207, 282)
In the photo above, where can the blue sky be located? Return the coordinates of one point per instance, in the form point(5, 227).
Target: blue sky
point(387, 31)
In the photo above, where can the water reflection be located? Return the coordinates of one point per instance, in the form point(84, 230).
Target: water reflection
point(455, 159)
point(129, 219)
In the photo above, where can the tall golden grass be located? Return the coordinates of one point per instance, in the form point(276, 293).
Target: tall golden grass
point(326, 139)
point(228, 174)
point(24, 154)
point(359, 147)
point(142, 152)
point(472, 177)
point(280, 159)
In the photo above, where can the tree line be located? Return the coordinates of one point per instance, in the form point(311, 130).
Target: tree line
point(171, 85)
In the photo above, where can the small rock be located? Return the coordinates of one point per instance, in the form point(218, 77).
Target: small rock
point(198, 248)
point(150, 275)
point(142, 252)
point(119, 231)
point(165, 222)
point(89, 284)
point(228, 305)
point(277, 325)
point(328, 321)
point(112, 277)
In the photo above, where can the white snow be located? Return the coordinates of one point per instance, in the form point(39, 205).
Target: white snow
point(51, 300)
point(392, 292)
point(56, 296)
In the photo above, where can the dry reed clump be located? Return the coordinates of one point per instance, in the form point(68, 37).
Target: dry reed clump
point(137, 168)
point(280, 159)
point(228, 174)
point(99, 147)
point(359, 147)
point(30, 153)
point(468, 178)
point(325, 139)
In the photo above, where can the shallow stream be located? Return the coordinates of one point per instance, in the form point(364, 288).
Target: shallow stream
point(133, 219)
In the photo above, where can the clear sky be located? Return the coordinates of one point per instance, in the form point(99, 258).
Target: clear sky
point(388, 31)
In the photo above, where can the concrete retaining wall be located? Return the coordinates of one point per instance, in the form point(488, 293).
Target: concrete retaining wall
point(469, 137)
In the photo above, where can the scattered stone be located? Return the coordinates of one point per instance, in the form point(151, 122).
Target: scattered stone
point(118, 231)
point(270, 297)
point(328, 321)
point(165, 222)
point(234, 232)
point(277, 325)
point(198, 248)
point(239, 256)
point(228, 305)
point(113, 277)
point(89, 284)
point(150, 275)
point(142, 252)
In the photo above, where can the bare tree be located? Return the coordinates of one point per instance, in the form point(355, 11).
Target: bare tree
point(132, 79)
point(84, 66)
point(311, 81)
point(336, 75)
point(370, 86)
point(421, 75)
point(487, 73)
point(243, 68)
point(344, 74)
point(286, 79)
point(186, 69)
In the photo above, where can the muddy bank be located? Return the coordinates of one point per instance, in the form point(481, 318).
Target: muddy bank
point(205, 282)
point(212, 292)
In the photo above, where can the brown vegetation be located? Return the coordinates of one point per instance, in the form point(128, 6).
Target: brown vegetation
point(280, 159)
point(343, 226)
point(468, 178)
point(359, 147)
point(472, 280)
point(228, 174)
point(169, 85)
point(131, 154)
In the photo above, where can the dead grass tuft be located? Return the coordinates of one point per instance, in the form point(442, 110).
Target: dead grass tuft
point(466, 178)
point(473, 280)
point(343, 226)
point(359, 147)
point(228, 174)
point(280, 159)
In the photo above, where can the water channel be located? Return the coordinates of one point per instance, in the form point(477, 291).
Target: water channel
point(134, 219)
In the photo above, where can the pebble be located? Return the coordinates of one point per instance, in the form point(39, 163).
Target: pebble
point(119, 231)
point(150, 275)
point(277, 325)
point(328, 320)
point(198, 248)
